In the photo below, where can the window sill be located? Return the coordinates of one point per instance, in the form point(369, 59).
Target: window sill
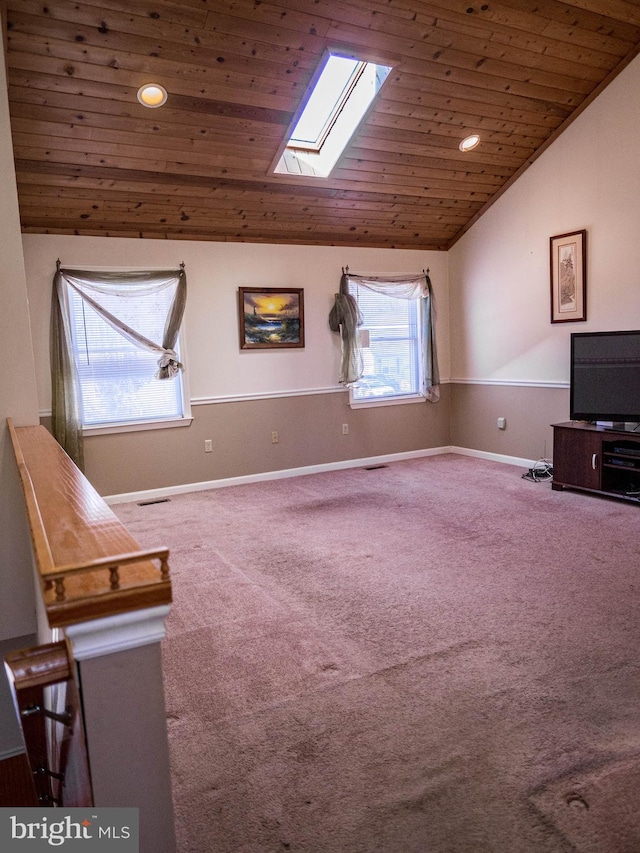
point(386, 401)
point(136, 426)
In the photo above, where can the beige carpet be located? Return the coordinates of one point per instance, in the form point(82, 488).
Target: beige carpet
point(598, 811)
point(425, 658)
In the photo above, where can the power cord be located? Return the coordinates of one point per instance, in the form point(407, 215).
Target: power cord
point(540, 472)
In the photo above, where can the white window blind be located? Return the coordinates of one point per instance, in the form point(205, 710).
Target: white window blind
point(392, 362)
point(117, 378)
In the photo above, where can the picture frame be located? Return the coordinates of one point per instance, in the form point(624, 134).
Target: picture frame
point(568, 257)
point(271, 317)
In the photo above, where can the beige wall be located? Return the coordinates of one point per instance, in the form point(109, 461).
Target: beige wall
point(499, 274)
point(217, 368)
point(240, 397)
point(310, 433)
point(528, 411)
point(499, 271)
point(18, 399)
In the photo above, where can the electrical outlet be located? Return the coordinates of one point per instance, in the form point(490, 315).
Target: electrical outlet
point(208, 445)
point(345, 429)
point(275, 438)
point(502, 423)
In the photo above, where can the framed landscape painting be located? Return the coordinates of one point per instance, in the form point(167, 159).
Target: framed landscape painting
point(569, 277)
point(271, 317)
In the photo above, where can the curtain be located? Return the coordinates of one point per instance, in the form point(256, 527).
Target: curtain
point(66, 418)
point(90, 285)
point(345, 317)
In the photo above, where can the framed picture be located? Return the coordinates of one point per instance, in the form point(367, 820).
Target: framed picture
point(569, 277)
point(271, 317)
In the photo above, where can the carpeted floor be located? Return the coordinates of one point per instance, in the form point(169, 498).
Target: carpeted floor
point(431, 657)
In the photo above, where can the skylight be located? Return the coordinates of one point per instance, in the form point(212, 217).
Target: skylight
point(337, 104)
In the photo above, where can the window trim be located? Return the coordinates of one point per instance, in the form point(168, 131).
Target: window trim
point(398, 399)
point(144, 424)
point(136, 426)
point(295, 158)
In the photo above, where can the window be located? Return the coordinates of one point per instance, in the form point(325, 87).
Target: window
point(391, 347)
point(117, 384)
point(335, 107)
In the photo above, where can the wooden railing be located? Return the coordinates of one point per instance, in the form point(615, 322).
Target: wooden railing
point(108, 598)
point(88, 563)
point(47, 702)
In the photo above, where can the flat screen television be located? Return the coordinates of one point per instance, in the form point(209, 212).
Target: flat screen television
point(605, 377)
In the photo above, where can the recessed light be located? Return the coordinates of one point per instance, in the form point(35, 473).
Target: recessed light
point(469, 142)
point(152, 95)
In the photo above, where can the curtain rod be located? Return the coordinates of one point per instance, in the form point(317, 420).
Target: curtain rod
point(345, 270)
point(112, 268)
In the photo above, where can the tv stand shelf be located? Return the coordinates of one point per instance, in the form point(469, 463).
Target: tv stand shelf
point(596, 459)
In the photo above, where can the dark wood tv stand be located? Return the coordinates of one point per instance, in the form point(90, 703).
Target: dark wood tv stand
point(595, 459)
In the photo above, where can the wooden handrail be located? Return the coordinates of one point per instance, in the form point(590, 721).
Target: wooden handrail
point(38, 666)
point(41, 548)
point(88, 563)
point(43, 685)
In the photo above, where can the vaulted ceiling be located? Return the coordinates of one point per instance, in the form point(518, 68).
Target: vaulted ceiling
point(91, 160)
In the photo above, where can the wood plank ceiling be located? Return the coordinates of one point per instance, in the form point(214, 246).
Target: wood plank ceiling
point(91, 160)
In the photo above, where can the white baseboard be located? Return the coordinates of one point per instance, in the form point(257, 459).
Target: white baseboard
point(164, 492)
point(152, 494)
point(494, 457)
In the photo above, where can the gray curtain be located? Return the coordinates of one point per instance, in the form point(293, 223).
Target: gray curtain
point(90, 285)
point(345, 317)
point(66, 421)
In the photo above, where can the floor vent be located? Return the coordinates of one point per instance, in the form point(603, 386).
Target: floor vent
point(375, 467)
point(155, 501)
